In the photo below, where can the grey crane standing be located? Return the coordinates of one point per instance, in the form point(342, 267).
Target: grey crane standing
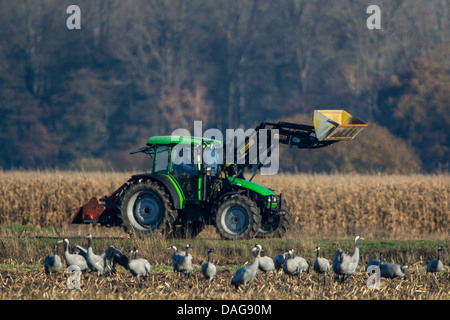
point(436, 265)
point(182, 262)
point(52, 262)
point(138, 267)
point(209, 269)
point(265, 263)
point(302, 262)
point(245, 275)
point(176, 253)
point(344, 264)
point(289, 266)
point(96, 261)
point(74, 259)
point(321, 265)
point(176, 256)
point(294, 266)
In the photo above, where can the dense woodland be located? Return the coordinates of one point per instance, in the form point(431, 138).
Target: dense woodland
point(83, 99)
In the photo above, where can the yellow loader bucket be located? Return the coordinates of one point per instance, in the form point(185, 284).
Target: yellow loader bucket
point(336, 125)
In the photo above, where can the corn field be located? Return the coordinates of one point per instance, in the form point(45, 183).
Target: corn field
point(336, 205)
point(376, 206)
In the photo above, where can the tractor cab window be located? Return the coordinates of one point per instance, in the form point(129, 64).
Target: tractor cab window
point(186, 173)
point(186, 167)
point(211, 159)
point(161, 162)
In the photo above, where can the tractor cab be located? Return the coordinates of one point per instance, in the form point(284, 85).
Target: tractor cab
point(189, 161)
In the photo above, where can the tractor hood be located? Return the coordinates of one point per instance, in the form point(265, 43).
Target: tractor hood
point(251, 186)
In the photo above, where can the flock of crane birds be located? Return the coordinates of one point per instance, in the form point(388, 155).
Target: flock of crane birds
point(343, 265)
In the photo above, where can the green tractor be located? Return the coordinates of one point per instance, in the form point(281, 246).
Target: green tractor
point(181, 197)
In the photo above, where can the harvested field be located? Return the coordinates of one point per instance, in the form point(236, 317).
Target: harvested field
point(22, 275)
point(163, 285)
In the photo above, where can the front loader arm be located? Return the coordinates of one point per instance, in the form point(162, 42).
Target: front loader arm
point(295, 135)
point(330, 126)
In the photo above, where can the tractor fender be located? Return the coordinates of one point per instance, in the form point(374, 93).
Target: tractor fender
point(167, 182)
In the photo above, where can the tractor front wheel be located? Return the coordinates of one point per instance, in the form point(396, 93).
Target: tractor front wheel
point(145, 207)
point(276, 226)
point(237, 217)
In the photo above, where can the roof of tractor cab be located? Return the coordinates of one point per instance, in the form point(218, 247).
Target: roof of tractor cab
point(167, 140)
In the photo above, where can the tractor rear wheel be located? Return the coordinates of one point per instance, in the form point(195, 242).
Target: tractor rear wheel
point(146, 207)
point(276, 226)
point(237, 217)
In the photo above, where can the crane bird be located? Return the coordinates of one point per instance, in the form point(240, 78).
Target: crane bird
point(182, 262)
point(138, 267)
point(278, 261)
point(104, 264)
point(73, 259)
point(82, 252)
point(374, 262)
point(321, 265)
point(436, 265)
point(209, 269)
point(246, 275)
point(176, 256)
point(265, 263)
point(52, 262)
point(302, 262)
point(294, 266)
point(344, 264)
point(391, 270)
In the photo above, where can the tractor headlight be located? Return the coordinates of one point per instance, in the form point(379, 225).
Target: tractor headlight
point(271, 199)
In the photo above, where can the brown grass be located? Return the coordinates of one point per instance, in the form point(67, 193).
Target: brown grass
point(337, 205)
point(50, 198)
point(392, 206)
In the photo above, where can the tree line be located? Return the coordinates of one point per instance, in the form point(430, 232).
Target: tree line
point(82, 99)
